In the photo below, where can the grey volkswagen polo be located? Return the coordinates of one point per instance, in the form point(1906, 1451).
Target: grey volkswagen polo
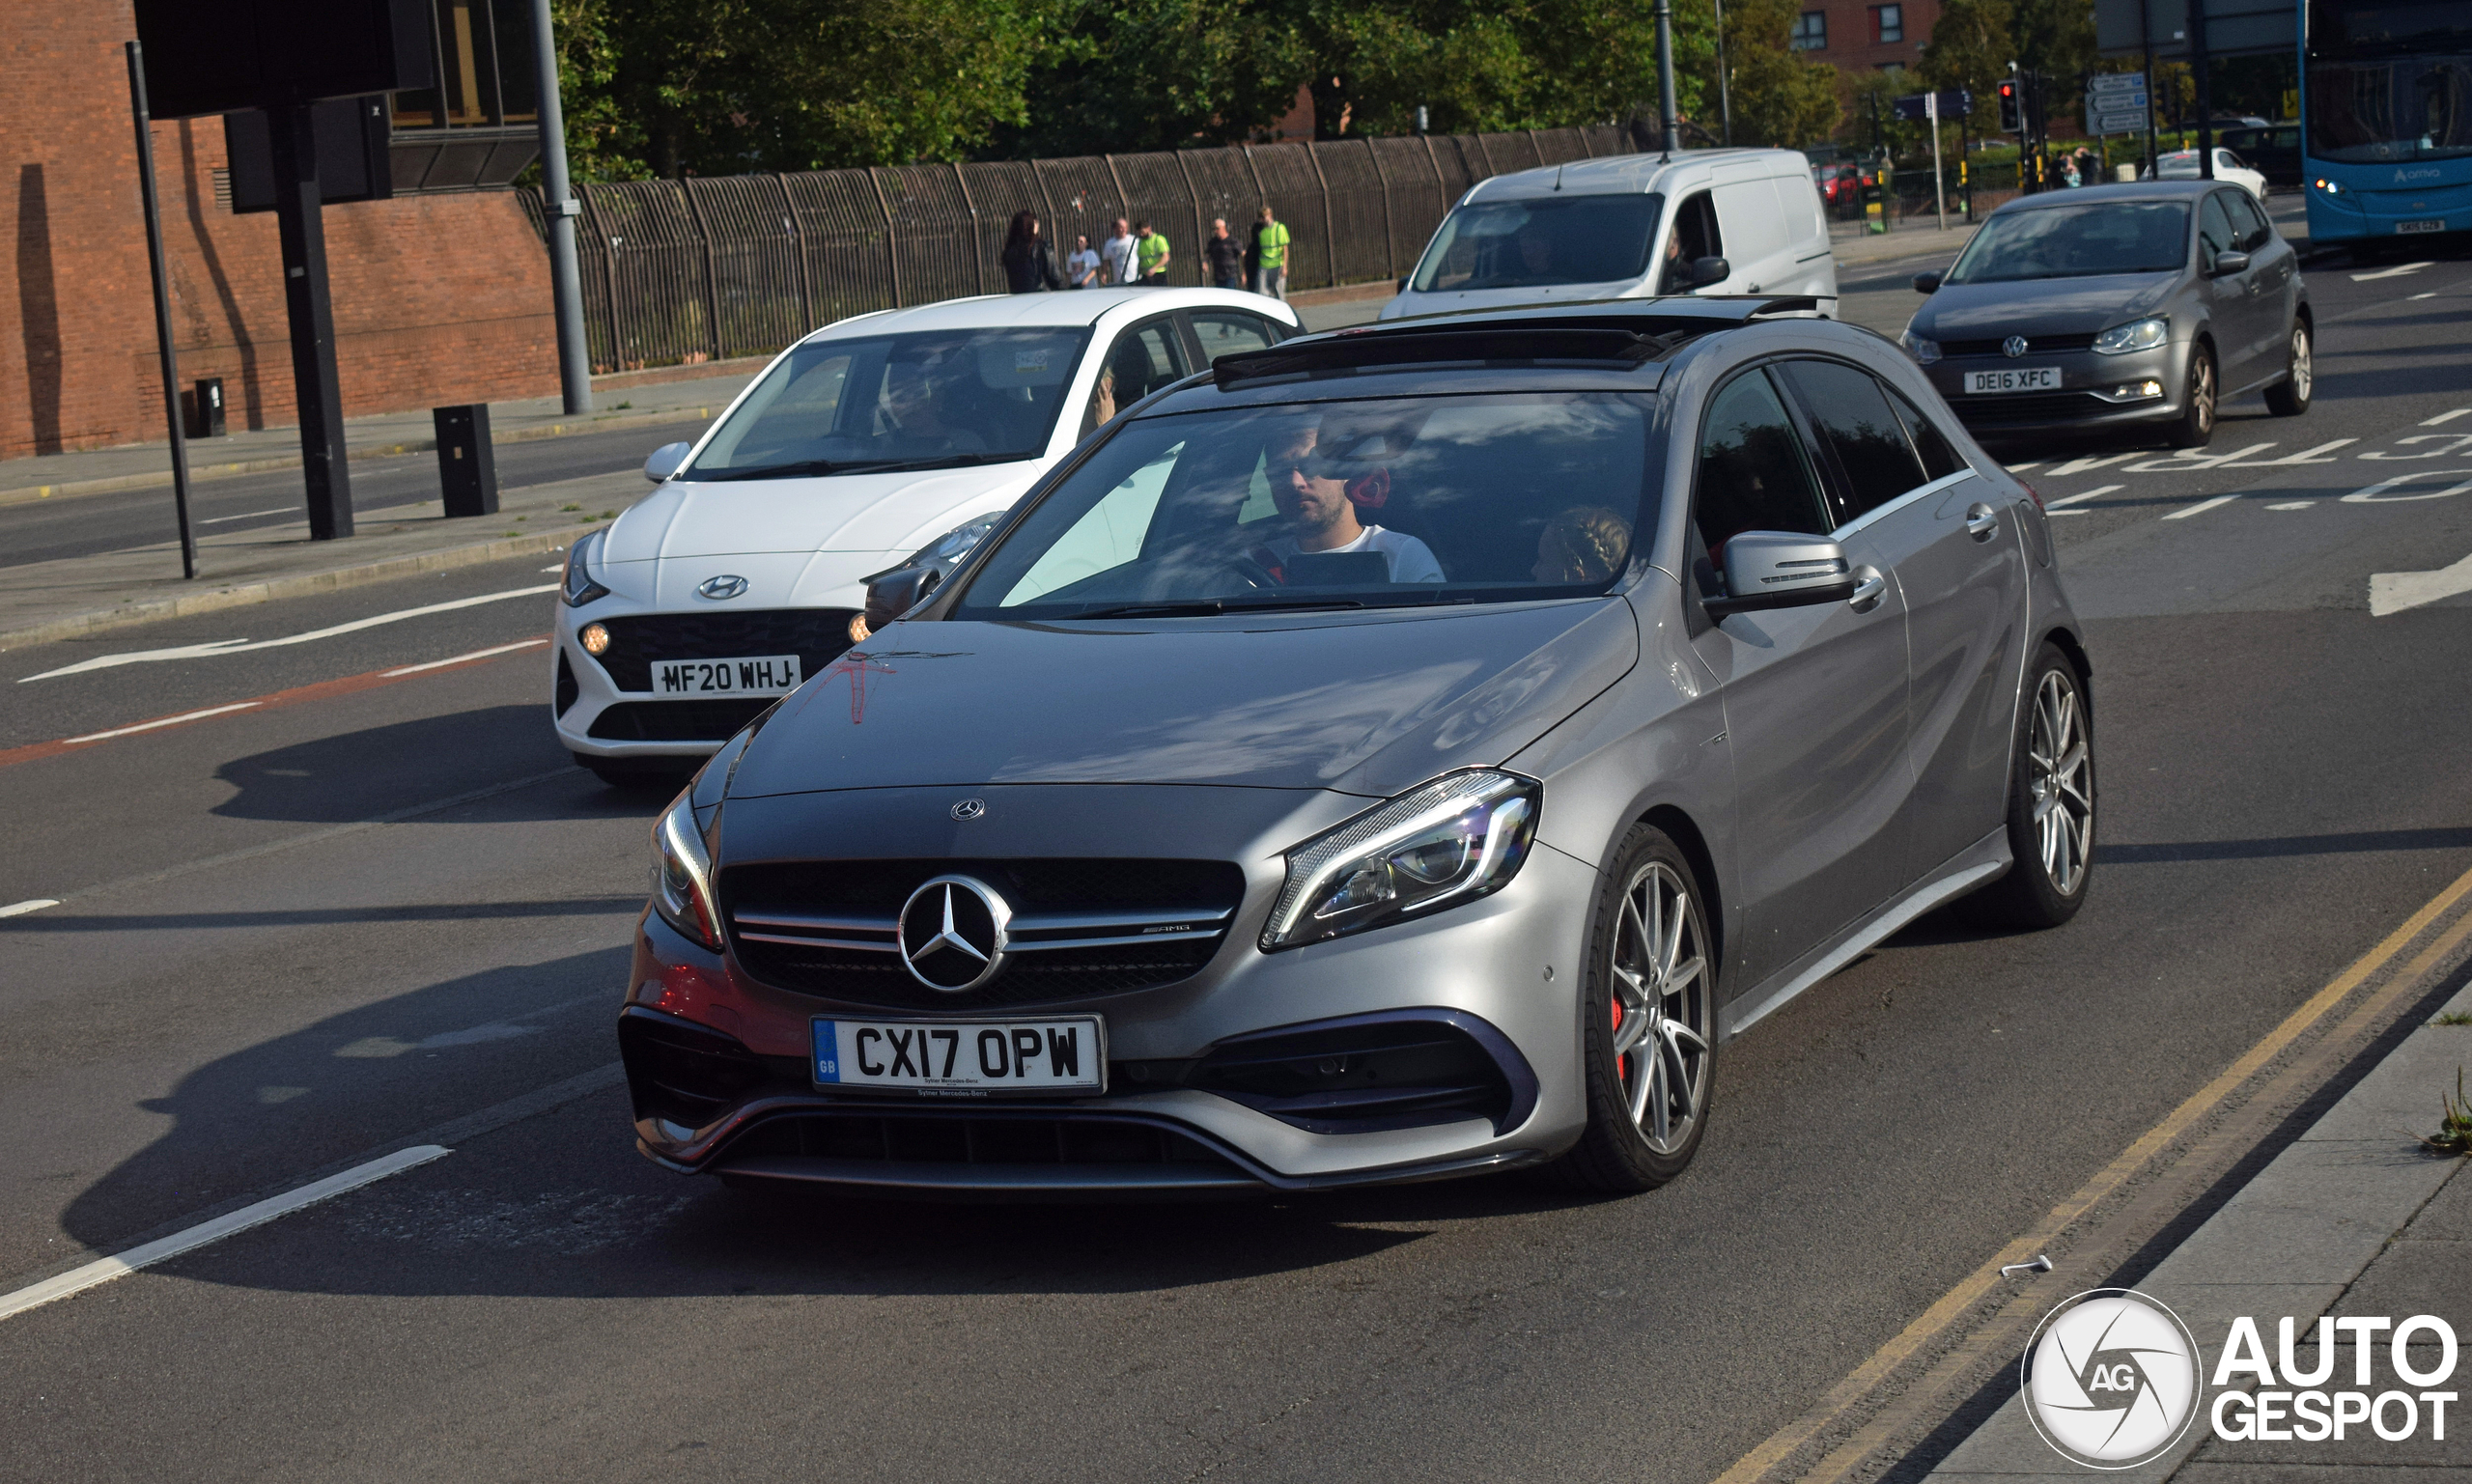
point(2118, 308)
point(1400, 754)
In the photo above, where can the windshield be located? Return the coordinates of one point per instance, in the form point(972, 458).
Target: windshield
point(2374, 112)
point(2077, 241)
point(864, 404)
point(1527, 245)
point(1489, 498)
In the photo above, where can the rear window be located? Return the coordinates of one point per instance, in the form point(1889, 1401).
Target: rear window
point(1383, 502)
point(1529, 244)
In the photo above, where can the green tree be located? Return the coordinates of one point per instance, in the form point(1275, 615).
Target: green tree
point(1971, 47)
point(1779, 98)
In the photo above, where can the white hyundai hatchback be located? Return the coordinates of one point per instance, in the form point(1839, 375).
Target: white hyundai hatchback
point(886, 436)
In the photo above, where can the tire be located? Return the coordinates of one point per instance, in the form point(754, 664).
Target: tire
point(1651, 982)
point(2051, 804)
point(2196, 427)
point(2289, 397)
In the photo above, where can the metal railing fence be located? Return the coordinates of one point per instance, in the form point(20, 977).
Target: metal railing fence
point(719, 267)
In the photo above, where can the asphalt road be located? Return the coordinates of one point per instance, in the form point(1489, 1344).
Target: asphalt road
point(307, 929)
point(83, 524)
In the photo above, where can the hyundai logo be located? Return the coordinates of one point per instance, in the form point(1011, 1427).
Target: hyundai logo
point(2014, 346)
point(723, 588)
point(969, 808)
point(951, 937)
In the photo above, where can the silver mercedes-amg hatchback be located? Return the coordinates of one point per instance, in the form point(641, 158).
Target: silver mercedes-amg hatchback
point(1396, 754)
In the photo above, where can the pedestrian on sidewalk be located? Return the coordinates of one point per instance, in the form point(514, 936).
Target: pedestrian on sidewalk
point(1150, 254)
point(1270, 255)
point(1225, 255)
point(1081, 264)
point(1029, 267)
point(1117, 253)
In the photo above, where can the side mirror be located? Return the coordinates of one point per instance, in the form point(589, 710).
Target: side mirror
point(665, 461)
point(892, 594)
point(2230, 262)
point(1782, 570)
point(1709, 270)
point(1927, 283)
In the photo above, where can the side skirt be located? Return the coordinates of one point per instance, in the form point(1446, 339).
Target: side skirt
point(1970, 867)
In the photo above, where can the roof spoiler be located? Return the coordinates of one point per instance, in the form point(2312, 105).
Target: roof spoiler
point(1538, 344)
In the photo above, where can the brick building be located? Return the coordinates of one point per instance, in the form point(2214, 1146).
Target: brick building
point(1859, 36)
point(439, 299)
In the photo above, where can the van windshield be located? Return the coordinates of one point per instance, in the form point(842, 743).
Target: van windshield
point(1531, 244)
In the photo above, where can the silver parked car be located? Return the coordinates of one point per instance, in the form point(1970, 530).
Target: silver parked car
point(2130, 308)
point(1396, 754)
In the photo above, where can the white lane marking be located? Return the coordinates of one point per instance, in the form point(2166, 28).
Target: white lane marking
point(239, 646)
point(2446, 417)
point(2304, 456)
point(2059, 507)
point(2448, 443)
point(30, 905)
point(2374, 495)
point(478, 653)
point(2292, 505)
point(2432, 293)
point(2201, 507)
point(560, 568)
point(2392, 272)
point(104, 1271)
point(2175, 463)
point(2392, 592)
point(2020, 468)
point(2087, 465)
point(149, 726)
point(251, 515)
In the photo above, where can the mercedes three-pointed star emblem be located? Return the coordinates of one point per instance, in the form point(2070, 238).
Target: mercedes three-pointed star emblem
point(952, 934)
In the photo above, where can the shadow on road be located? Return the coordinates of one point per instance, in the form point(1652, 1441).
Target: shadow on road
point(353, 776)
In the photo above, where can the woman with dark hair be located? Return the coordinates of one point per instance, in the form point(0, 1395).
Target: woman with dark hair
point(1029, 267)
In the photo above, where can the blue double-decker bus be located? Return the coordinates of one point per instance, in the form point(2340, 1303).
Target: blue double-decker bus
point(2386, 108)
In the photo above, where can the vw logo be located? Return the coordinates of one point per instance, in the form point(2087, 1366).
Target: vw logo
point(2111, 1379)
point(2014, 346)
point(969, 808)
point(952, 936)
point(729, 585)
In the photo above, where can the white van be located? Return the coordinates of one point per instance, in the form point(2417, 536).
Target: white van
point(1628, 226)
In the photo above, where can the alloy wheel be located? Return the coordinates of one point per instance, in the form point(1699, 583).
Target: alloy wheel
point(2202, 391)
point(2062, 780)
point(1662, 1008)
point(2303, 375)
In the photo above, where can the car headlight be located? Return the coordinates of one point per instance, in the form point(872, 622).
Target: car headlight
point(1925, 352)
point(683, 875)
point(1449, 841)
point(2330, 187)
point(2138, 335)
point(576, 587)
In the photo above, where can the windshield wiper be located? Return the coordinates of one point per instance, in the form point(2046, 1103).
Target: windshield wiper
point(1205, 608)
point(860, 465)
point(780, 470)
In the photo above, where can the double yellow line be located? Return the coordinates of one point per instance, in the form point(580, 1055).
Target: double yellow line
point(1923, 1334)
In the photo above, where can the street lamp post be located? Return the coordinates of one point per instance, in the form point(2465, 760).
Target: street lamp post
point(566, 282)
point(1665, 76)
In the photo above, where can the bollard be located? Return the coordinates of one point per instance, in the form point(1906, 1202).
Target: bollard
point(467, 476)
point(204, 410)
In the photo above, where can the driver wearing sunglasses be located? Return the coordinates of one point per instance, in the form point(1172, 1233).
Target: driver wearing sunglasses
point(1320, 497)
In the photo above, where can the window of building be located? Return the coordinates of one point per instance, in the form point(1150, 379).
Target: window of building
point(1811, 31)
point(484, 50)
point(1888, 24)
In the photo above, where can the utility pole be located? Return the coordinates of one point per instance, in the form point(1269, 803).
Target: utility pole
point(566, 283)
point(165, 349)
point(2206, 91)
point(1939, 190)
point(1666, 105)
point(2145, 40)
point(1725, 85)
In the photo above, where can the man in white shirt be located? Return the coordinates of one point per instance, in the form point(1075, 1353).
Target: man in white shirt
point(1081, 266)
point(1120, 250)
point(1312, 493)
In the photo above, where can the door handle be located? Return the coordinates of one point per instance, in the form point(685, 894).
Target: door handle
point(1982, 522)
point(1870, 587)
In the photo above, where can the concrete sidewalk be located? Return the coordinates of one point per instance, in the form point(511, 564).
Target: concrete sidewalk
point(2354, 1219)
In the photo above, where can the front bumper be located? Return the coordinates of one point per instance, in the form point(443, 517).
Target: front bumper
point(2086, 380)
point(1169, 1124)
point(605, 708)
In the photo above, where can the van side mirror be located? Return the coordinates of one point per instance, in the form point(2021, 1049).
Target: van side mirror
point(1709, 270)
point(665, 461)
point(2230, 262)
point(1927, 283)
point(1782, 570)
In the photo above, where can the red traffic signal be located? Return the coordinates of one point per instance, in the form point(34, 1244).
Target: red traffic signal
point(2009, 120)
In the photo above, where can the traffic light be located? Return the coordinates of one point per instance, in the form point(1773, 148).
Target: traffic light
point(2010, 120)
